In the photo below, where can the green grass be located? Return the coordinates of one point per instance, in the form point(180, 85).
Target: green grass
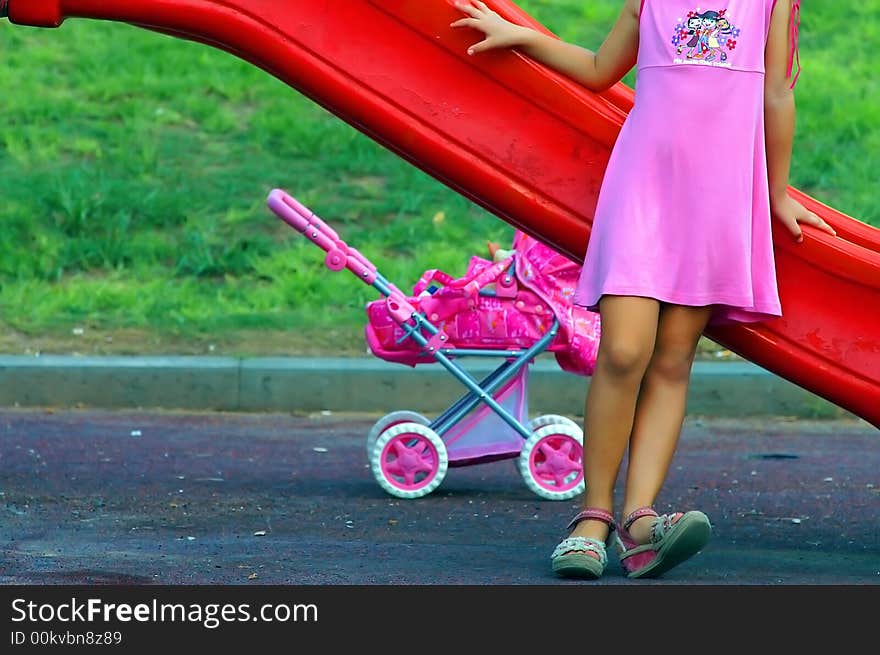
point(135, 168)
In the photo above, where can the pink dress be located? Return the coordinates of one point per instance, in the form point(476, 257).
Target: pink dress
point(683, 214)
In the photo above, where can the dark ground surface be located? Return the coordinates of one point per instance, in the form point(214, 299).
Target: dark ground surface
point(118, 498)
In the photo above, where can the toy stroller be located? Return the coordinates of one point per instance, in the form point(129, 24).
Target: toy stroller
point(513, 309)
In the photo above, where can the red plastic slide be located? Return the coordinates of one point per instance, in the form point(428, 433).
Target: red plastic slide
point(521, 141)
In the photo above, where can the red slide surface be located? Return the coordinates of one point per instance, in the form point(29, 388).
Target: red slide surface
point(523, 142)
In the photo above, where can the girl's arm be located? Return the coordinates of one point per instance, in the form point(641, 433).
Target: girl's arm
point(779, 113)
point(595, 70)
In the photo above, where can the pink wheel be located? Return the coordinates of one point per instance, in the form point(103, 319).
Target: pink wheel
point(550, 419)
point(551, 462)
point(409, 460)
point(400, 416)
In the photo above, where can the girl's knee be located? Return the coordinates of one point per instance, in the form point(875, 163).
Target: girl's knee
point(623, 360)
point(671, 366)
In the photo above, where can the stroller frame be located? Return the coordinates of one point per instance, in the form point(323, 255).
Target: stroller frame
point(409, 454)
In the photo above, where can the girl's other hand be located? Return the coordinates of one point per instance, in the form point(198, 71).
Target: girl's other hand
point(499, 33)
point(792, 214)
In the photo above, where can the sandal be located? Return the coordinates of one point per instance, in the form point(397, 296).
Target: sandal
point(674, 538)
point(583, 557)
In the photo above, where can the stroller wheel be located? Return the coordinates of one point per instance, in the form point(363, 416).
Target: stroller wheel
point(550, 419)
point(409, 460)
point(551, 462)
point(400, 416)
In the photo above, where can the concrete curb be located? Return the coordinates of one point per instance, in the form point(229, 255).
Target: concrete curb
point(355, 385)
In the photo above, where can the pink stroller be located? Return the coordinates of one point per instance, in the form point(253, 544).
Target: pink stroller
point(514, 309)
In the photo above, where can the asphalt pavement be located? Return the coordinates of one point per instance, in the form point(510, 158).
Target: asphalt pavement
point(121, 497)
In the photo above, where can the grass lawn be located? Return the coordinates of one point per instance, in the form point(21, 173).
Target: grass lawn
point(135, 168)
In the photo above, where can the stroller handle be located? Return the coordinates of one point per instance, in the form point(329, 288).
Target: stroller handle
point(339, 254)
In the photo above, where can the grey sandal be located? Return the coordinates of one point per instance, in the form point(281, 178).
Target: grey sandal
point(674, 538)
point(582, 557)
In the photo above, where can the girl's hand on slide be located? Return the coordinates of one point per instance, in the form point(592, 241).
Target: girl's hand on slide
point(499, 32)
point(792, 214)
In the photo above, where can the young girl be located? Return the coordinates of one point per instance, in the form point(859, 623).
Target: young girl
point(681, 238)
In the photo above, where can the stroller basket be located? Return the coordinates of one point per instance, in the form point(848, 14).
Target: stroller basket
point(512, 304)
point(513, 309)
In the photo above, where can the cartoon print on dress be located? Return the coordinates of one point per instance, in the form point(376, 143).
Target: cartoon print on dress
point(704, 37)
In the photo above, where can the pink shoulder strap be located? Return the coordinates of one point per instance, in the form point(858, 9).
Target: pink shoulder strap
point(641, 6)
point(794, 55)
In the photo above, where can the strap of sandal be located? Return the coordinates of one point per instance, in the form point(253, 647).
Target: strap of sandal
point(635, 515)
point(664, 525)
point(593, 513)
point(585, 545)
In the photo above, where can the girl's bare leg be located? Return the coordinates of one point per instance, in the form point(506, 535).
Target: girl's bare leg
point(629, 328)
point(660, 409)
